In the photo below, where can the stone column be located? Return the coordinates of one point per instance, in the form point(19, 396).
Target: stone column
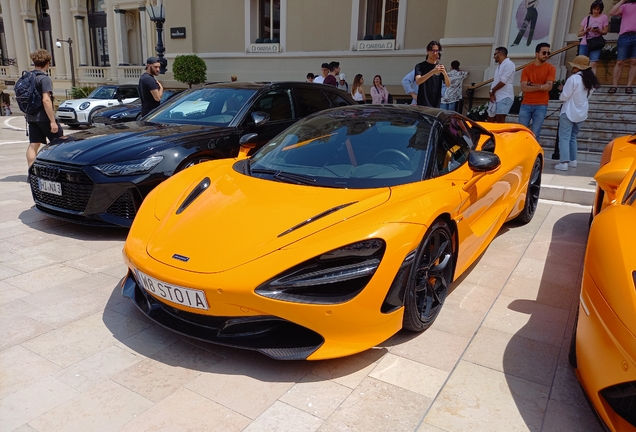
point(68, 32)
point(143, 25)
point(81, 40)
point(21, 48)
point(31, 34)
point(56, 33)
point(9, 33)
point(120, 28)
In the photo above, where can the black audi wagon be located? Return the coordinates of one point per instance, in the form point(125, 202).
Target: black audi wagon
point(100, 176)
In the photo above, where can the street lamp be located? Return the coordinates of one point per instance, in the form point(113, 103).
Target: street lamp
point(69, 41)
point(158, 15)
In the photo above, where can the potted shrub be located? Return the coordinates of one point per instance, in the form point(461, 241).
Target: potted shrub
point(557, 86)
point(189, 69)
point(516, 104)
point(479, 113)
point(608, 57)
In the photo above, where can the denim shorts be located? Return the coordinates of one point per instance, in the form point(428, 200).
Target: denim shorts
point(626, 46)
point(503, 106)
point(594, 55)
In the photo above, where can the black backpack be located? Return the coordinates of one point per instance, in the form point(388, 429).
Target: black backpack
point(27, 95)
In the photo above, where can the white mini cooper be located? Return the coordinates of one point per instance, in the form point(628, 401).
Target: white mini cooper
point(78, 112)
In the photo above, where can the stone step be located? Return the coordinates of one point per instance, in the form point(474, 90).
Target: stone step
point(588, 150)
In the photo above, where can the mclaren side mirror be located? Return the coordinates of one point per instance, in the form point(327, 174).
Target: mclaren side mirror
point(611, 176)
point(483, 161)
point(247, 143)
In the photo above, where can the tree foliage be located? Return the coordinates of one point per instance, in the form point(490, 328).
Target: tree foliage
point(189, 69)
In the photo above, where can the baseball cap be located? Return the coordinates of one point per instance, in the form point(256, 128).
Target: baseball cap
point(342, 77)
point(152, 60)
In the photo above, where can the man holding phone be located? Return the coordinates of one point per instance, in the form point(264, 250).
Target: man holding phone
point(429, 75)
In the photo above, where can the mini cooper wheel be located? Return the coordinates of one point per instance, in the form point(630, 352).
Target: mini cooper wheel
point(430, 277)
point(532, 194)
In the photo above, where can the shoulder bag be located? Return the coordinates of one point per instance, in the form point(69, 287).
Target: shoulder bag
point(595, 43)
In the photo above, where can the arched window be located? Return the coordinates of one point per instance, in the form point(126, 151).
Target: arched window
point(98, 33)
point(44, 27)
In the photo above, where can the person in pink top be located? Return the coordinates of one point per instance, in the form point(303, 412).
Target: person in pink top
point(379, 93)
point(594, 25)
point(626, 45)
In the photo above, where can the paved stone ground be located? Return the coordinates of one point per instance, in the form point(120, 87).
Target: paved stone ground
point(76, 356)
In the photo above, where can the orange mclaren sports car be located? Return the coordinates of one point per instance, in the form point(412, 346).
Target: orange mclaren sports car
point(603, 347)
point(343, 229)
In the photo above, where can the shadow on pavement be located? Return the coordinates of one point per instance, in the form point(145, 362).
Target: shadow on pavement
point(50, 225)
point(19, 178)
point(173, 349)
point(533, 360)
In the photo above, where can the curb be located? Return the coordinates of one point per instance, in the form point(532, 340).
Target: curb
point(565, 194)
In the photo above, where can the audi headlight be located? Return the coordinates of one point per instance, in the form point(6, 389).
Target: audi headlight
point(333, 277)
point(84, 105)
point(140, 166)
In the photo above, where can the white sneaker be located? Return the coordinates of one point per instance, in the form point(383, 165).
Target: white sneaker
point(573, 164)
point(561, 166)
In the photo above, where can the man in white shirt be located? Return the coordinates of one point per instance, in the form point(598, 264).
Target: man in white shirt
point(502, 92)
point(325, 71)
point(410, 88)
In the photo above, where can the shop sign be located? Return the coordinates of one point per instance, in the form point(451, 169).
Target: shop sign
point(375, 45)
point(265, 48)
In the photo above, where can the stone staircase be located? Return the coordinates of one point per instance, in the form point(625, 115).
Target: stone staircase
point(610, 116)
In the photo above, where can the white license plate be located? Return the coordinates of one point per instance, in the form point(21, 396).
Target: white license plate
point(173, 293)
point(99, 124)
point(47, 186)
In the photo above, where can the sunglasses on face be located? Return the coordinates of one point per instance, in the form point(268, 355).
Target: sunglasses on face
point(435, 51)
point(545, 53)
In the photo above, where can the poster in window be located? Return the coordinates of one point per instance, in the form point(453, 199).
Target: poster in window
point(532, 22)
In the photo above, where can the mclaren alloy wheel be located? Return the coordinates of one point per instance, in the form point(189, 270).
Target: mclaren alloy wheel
point(431, 275)
point(532, 194)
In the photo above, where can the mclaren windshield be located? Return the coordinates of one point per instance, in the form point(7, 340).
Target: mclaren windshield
point(348, 148)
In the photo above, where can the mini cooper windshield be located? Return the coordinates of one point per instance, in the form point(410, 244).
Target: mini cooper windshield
point(207, 106)
point(103, 93)
point(348, 148)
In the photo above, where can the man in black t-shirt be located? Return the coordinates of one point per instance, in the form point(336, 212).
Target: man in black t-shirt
point(150, 90)
point(429, 75)
point(42, 124)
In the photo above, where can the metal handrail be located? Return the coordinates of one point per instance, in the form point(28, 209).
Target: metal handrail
point(470, 92)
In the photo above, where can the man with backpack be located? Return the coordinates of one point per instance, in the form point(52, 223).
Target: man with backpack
point(34, 94)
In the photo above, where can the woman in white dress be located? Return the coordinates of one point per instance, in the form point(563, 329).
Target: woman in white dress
point(357, 91)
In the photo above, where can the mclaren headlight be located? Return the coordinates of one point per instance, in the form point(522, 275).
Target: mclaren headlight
point(140, 166)
point(333, 277)
point(84, 105)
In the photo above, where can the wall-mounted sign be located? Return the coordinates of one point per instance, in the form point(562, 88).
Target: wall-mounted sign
point(9, 82)
point(177, 33)
point(373, 45)
point(265, 48)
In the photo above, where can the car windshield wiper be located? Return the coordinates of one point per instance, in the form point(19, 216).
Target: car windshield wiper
point(285, 176)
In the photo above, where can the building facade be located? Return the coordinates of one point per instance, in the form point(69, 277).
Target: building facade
point(265, 40)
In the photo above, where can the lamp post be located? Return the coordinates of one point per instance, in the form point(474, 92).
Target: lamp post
point(158, 15)
point(69, 41)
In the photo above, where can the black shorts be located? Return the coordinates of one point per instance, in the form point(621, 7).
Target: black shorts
point(40, 131)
